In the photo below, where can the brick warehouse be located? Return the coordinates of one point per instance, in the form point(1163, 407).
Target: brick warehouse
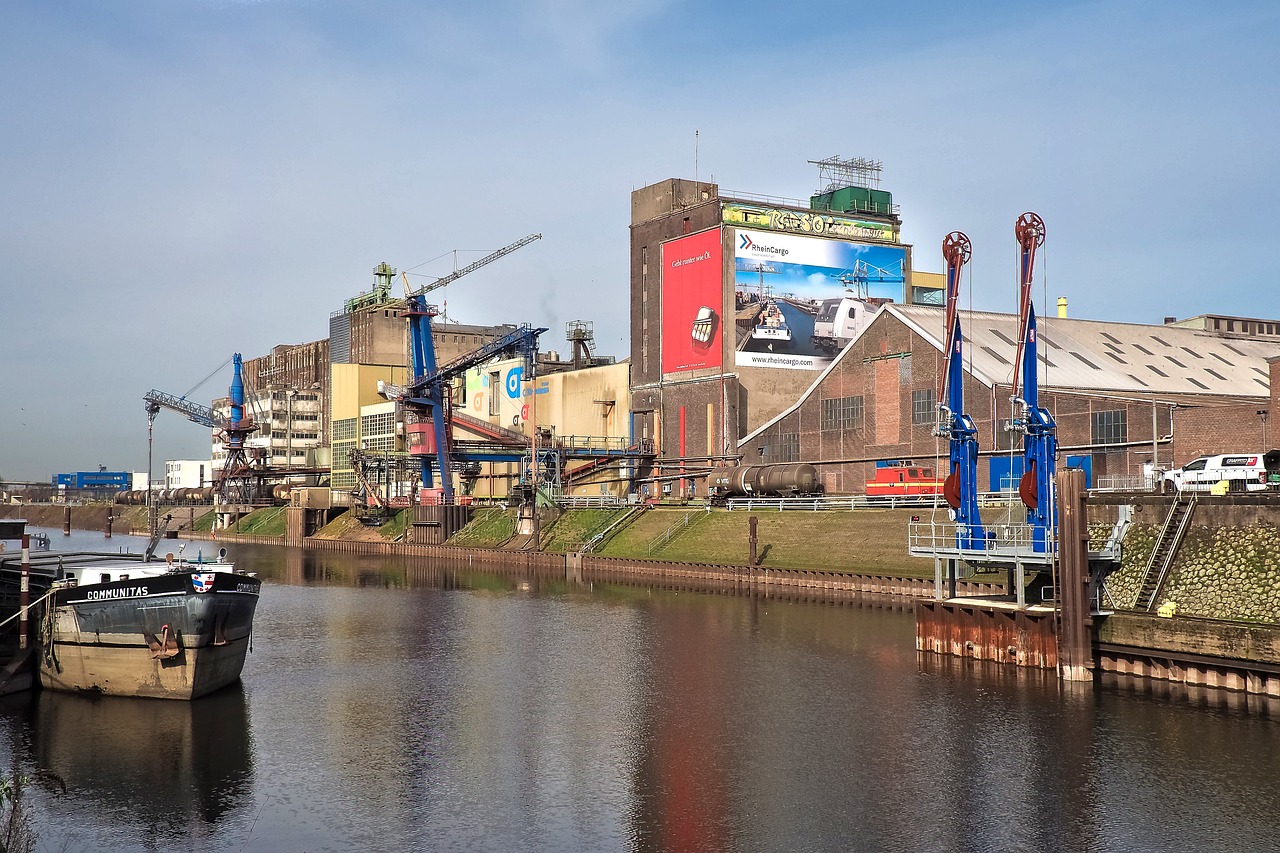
point(1124, 396)
point(697, 385)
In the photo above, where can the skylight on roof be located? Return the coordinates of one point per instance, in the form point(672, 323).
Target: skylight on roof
point(1161, 342)
point(1175, 361)
point(1193, 352)
point(1221, 359)
point(1197, 383)
point(999, 334)
point(1143, 349)
point(1085, 360)
point(1157, 371)
point(1139, 381)
point(997, 356)
point(1215, 374)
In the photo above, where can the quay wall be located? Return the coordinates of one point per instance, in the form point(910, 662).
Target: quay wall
point(796, 584)
point(1189, 651)
point(1228, 567)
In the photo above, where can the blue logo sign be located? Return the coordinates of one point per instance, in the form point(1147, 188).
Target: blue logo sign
point(514, 376)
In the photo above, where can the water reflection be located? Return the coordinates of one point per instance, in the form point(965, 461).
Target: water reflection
point(147, 768)
point(402, 704)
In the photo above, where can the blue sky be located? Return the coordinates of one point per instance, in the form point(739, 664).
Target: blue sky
point(187, 179)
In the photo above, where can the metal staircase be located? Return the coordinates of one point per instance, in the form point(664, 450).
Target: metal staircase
point(1165, 549)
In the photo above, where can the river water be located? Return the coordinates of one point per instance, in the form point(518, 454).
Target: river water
point(388, 705)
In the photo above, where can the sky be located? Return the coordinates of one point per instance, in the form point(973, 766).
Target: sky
point(185, 179)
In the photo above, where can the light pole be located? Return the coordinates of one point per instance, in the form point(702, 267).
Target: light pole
point(1262, 413)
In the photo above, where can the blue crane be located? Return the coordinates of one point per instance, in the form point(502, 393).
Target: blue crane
point(960, 488)
point(426, 397)
point(233, 482)
point(1040, 442)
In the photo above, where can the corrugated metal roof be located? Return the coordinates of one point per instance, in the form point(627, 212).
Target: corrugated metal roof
point(1091, 355)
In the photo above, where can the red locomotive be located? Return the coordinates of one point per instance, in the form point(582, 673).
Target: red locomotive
point(903, 478)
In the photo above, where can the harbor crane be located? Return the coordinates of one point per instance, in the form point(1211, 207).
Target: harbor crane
point(960, 488)
point(859, 277)
point(234, 481)
point(426, 397)
point(1040, 443)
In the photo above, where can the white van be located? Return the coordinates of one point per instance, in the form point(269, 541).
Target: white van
point(1244, 472)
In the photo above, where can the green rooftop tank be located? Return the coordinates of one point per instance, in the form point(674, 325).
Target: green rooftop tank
point(854, 200)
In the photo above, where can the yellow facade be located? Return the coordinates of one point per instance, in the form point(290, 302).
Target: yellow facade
point(351, 387)
point(586, 407)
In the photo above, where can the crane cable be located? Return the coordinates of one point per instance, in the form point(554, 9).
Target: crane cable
point(206, 379)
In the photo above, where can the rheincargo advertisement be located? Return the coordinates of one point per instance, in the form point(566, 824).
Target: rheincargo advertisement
point(691, 302)
point(800, 300)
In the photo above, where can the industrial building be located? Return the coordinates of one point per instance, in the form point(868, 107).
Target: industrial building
point(738, 300)
point(1128, 398)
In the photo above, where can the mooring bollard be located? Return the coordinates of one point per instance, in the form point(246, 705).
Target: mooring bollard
point(66, 520)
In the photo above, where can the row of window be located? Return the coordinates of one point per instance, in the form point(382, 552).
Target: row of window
point(377, 424)
point(847, 413)
point(842, 413)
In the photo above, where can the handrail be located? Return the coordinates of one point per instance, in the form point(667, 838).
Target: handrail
point(1174, 545)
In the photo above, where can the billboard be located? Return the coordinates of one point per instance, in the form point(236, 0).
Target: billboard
point(805, 298)
point(691, 302)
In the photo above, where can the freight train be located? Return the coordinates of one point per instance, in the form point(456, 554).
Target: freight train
point(783, 480)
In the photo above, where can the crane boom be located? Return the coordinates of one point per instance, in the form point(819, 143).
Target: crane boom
point(195, 412)
point(472, 267)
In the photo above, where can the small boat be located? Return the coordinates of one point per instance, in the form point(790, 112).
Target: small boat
point(772, 326)
point(174, 629)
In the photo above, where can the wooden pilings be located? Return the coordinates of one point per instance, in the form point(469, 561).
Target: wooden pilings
point(1075, 643)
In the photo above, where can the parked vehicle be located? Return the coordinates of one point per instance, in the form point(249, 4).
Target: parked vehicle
point(1242, 472)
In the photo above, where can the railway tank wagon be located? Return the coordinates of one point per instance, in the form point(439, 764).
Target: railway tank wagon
point(783, 480)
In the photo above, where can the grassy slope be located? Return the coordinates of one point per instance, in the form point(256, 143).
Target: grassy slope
point(487, 528)
point(268, 521)
point(576, 526)
point(868, 541)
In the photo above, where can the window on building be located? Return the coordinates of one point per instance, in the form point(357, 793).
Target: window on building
point(495, 383)
point(1006, 438)
point(924, 407)
point(1110, 427)
point(841, 413)
point(789, 447)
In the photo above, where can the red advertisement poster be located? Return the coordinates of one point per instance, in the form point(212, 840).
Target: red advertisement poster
point(691, 302)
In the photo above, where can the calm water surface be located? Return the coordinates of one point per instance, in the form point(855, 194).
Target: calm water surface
point(393, 706)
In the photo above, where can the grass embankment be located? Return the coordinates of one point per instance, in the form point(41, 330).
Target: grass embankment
point(488, 528)
point(866, 541)
point(268, 521)
point(576, 527)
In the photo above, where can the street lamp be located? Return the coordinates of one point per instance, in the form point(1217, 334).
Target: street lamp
point(1262, 413)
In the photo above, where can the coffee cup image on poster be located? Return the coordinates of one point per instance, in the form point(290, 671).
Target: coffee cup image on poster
point(692, 272)
point(796, 286)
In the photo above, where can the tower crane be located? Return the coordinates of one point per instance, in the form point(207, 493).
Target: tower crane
point(426, 397)
point(960, 488)
point(1040, 442)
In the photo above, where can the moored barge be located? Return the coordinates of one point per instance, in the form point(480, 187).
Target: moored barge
point(166, 630)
